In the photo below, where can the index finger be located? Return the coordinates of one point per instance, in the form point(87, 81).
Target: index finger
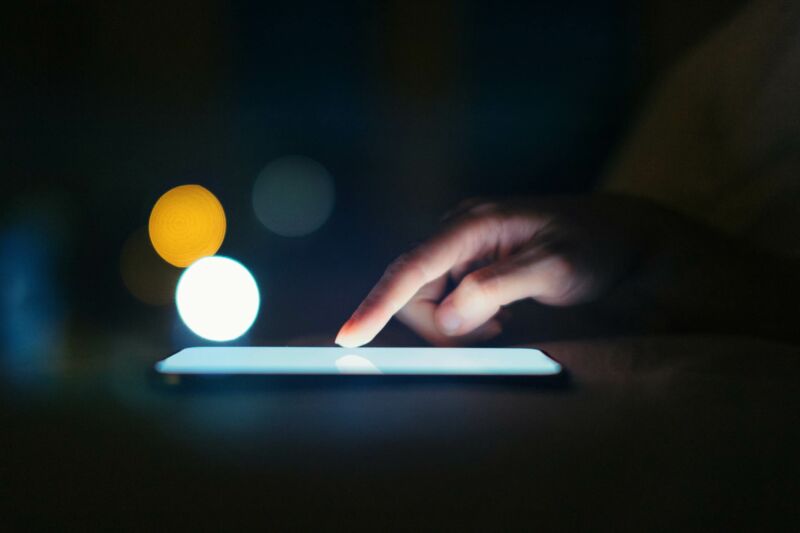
point(405, 276)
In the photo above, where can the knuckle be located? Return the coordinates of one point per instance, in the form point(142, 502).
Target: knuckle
point(561, 267)
point(480, 224)
point(562, 277)
point(484, 207)
point(407, 264)
point(484, 283)
point(478, 214)
point(399, 261)
point(397, 266)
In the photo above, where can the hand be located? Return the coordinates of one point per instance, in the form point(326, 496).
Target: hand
point(556, 251)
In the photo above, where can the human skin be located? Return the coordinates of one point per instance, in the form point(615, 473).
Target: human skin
point(611, 249)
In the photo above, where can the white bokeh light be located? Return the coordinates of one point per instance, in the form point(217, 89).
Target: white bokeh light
point(217, 298)
point(293, 196)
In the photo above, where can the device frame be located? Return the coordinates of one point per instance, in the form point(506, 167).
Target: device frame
point(249, 381)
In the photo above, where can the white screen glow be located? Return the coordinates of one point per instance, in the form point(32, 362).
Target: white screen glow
point(405, 361)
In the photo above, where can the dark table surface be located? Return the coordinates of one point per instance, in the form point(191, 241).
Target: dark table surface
point(652, 433)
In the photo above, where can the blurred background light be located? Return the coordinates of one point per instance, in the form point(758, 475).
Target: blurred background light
point(32, 314)
point(187, 223)
point(217, 298)
point(293, 196)
point(149, 278)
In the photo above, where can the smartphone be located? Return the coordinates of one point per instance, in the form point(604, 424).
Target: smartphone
point(384, 363)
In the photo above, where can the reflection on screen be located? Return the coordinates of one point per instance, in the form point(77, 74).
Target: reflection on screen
point(355, 364)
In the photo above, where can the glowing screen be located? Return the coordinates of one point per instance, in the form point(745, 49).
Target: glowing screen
point(404, 361)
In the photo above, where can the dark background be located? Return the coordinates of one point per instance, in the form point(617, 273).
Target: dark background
point(411, 107)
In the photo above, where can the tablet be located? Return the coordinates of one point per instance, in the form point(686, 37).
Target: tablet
point(298, 361)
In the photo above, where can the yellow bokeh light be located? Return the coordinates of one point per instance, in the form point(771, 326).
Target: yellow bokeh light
point(187, 223)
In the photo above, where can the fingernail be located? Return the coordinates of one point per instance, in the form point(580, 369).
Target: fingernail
point(341, 335)
point(348, 338)
point(449, 321)
point(345, 341)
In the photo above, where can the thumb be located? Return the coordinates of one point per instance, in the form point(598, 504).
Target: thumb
point(481, 293)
